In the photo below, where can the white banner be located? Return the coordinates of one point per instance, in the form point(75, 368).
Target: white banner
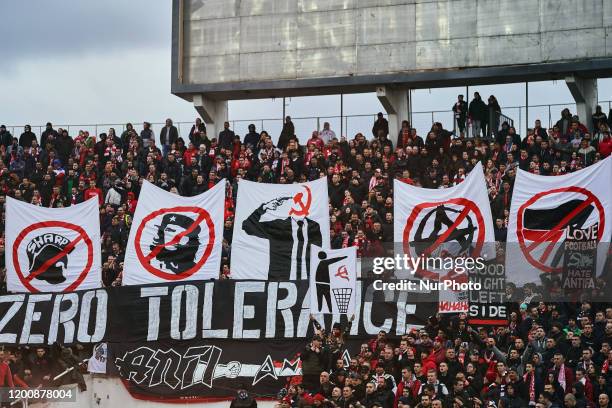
point(175, 238)
point(450, 222)
point(546, 210)
point(274, 228)
point(333, 280)
point(52, 249)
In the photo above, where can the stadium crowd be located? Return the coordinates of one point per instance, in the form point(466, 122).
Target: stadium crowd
point(549, 355)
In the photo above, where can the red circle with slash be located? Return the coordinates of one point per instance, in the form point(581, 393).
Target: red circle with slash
point(82, 236)
point(468, 207)
point(557, 231)
point(203, 216)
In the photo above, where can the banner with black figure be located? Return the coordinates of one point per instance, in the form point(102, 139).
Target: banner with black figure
point(274, 228)
point(175, 238)
point(48, 251)
point(333, 280)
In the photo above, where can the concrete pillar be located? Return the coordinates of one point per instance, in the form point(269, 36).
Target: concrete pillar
point(584, 91)
point(395, 102)
point(212, 112)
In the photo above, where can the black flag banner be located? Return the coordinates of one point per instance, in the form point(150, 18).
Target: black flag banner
point(199, 340)
point(240, 310)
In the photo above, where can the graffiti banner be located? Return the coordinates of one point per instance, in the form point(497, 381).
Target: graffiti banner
point(275, 226)
point(52, 249)
point(175, 238)
point(199, 371)
point(551, 215)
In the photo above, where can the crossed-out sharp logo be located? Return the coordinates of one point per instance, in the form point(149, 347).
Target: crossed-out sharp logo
point(52, 253)
point(48, 249)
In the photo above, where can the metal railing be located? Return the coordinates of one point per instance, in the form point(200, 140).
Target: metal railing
point(351, 124)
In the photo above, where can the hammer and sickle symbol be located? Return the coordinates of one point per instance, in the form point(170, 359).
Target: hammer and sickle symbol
point(304, 208)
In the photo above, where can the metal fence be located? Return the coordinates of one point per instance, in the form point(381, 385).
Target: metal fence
point(351, 124)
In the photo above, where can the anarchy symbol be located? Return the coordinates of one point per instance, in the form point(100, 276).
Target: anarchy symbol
point(304, 208)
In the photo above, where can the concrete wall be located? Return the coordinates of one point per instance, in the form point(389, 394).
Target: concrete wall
point(105, 392)
point(269, 40)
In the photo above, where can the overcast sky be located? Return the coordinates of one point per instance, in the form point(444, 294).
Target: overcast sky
point(84, 62)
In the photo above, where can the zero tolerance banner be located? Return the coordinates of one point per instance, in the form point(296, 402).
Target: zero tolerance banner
point(196, 310)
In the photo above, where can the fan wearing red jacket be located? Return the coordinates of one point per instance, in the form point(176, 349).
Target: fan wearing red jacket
point(409, 381)
point(92, 191)
point(6, 377)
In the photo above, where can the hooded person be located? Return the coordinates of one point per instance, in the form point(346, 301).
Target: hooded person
point(251, 139)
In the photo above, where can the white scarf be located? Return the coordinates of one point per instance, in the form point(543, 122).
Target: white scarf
point(561, 378)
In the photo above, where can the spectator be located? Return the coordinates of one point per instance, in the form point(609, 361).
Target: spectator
point(6, 377)
point(42, 368)
point(49, 134)
point(327, 135)
point(460, 110)
point(197, 128)
point(598, 118)
point(251, 140)
point(287, 133)
point(27, 137)
point(243, 400)
point(565, 122)
point(147, 135)
point(478, 114)
point(493, 115)
point(380, 125)
point(6, 139)
point(168, 136)
point(70, 365)
point(226, 137)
